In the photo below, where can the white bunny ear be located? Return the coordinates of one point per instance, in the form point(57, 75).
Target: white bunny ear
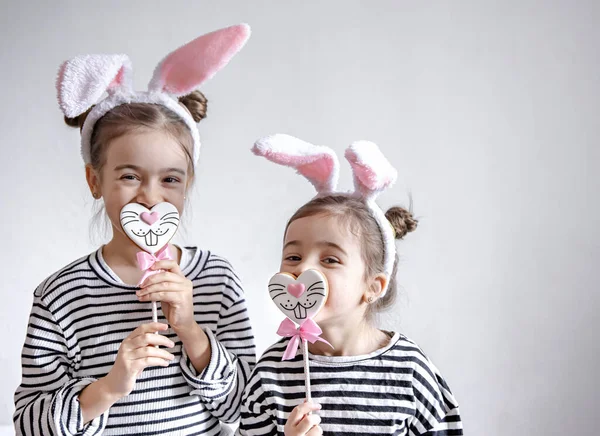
point(185, 69)
point(317, 163)
point(84, 79)
point(372, 171)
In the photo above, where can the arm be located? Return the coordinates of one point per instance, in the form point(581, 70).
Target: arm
point(256, 417)
point(437, 411)
point(46, 401)
point(232, 352)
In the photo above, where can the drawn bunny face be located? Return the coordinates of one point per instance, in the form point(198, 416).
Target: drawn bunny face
point(299, 298)
point(150, 229)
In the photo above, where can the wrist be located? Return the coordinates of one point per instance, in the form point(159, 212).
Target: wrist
point(192, 331)
point(107, 391)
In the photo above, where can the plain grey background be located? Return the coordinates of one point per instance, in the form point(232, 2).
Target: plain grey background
point(489, 110)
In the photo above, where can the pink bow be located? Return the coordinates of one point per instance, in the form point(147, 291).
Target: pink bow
point(146, 260)
point(308, 331)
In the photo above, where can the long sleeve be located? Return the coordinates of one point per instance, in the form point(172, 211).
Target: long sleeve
point(233, 356)
point(256, 417)
point(437, 410)
point(47, 400)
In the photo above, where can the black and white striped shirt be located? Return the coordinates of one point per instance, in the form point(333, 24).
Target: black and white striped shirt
point(395, 390)
point(80, 316)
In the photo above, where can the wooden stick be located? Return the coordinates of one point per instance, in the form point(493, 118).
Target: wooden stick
point(306, 370)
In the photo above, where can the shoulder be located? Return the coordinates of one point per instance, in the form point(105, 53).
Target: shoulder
point(66, 276)
point(429, 386)
point(209, 270)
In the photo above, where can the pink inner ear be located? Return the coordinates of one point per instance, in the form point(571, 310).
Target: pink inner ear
point(367, 177)
point(316, 168)
point(188, 67)
point(118, 80)
point(319, 170)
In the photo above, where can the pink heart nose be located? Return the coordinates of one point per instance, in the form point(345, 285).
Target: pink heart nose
point(296, 289)
point(149, 218)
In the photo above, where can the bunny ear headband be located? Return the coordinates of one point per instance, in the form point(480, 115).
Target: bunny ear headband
point(373, 174)
point(83, 80)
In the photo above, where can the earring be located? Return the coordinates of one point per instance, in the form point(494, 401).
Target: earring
point(95, 195)
point(370, 299)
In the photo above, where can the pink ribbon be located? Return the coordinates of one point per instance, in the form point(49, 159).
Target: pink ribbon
point(146, 260)
point(308, 331)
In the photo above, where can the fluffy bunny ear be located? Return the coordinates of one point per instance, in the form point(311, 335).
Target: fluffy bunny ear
point(185, 69)
point(84, 79)
point(372, 171)
point(318, 164)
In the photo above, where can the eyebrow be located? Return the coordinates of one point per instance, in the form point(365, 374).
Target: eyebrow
point(321, 243)
point(163, 170)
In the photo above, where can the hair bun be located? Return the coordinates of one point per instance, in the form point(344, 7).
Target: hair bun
point(401, 220)
point(196, 103)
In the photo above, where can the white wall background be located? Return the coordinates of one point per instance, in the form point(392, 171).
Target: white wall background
point(488, 109)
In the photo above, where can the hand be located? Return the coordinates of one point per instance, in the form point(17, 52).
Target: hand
point(175, 293)
point(301, 423)
point(137, 352)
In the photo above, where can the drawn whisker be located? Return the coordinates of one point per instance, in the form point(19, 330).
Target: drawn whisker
point(278, 295)
point(129, 222)
point(173, 224)
point(277, 289)
point(314, 284)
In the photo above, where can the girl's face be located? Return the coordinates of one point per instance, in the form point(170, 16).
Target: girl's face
point(320, 242)
point(146, 167)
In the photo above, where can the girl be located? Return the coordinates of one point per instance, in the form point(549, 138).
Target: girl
point(91, 361)
point(372, 381)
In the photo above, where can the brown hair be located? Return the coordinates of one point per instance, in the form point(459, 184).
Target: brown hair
point(130, 117)
point(357, 215)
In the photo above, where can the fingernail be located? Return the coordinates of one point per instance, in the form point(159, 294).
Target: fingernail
point(172, 344)
point(318, 406)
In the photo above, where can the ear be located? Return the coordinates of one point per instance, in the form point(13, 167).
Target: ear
point(372, 171)
point(93, 179)
point(185, 69)
point(318, 164)
point(377, 285)
point(83, 80)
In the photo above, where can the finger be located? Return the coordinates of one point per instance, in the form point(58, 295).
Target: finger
point(173, 297)
point(308, 422)
point(151, 339)
point(168, 286)
point(301, 410)
point(160, 278)
point(315, 431)
point(145, 362)
point(150, 327)
point(145, 352)
point(167, 265)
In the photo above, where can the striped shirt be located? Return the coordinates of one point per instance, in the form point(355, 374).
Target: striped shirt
point(395, 390)
point(80, 316)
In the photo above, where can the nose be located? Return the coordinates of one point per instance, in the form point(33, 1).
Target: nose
point(303, 266)
point(149, 195)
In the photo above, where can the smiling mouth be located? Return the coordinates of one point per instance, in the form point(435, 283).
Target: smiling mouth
point(152, 238)
point(300, 311)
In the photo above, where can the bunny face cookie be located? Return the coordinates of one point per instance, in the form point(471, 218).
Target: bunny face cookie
point(299, 298)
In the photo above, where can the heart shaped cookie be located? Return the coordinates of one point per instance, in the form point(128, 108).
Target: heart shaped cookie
point(299, 298)
point(150, 229)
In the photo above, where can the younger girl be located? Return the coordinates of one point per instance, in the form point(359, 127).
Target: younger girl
point(371, 381)
point(91, 362)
